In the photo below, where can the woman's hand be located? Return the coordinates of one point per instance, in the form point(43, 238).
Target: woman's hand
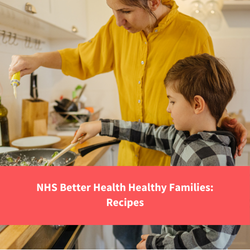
point(87, 130)
point(25, 64)
point(142, 243)
point(239, 131)
point(28, 64)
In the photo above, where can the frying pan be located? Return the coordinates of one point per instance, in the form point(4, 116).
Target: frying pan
point(68, 159)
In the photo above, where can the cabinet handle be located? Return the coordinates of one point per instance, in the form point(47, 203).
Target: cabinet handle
point(74, 29)
point(30, 8)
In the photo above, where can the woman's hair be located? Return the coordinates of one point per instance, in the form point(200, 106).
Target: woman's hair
point(203, 75)
point(143, 4)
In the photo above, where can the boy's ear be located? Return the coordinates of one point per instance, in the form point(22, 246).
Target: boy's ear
point(198, 104)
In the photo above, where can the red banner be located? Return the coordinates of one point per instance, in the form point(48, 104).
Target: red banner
point(125, 195)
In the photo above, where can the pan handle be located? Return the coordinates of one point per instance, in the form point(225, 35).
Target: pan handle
point(86, 150)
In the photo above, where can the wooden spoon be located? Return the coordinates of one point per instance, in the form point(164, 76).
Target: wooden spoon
point(63, 152)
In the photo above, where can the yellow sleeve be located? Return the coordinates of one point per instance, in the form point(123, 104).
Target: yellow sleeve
point(90, 58)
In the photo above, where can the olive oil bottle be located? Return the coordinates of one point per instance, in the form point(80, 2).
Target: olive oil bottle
point(4, 127)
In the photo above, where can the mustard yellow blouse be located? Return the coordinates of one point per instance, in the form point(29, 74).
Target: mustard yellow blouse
point(140, 65)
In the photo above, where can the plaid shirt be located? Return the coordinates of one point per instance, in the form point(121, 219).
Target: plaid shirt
point(202, 149)
point(189, 237)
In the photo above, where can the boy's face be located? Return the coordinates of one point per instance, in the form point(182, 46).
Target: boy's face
point(180, 109)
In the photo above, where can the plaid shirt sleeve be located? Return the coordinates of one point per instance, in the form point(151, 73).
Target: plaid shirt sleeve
point(199, 237)
point(145, 134)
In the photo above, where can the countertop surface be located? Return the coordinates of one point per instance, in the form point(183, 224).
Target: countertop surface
point(16, 236)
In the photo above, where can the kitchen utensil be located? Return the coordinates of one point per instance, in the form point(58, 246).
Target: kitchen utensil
point(68, 159)
point(63, 152)
point(65, 105)
point(15, 82)
point(80, 94)
point(33, 86)
point(36, 142)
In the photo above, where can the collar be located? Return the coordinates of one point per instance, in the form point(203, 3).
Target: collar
point(171, 15)
point(209, 136)
point(225, 138)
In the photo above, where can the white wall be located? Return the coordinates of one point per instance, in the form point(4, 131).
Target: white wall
point(232, 44)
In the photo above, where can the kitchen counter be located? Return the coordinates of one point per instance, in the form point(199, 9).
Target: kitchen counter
point(39, 237)
point(13, 237)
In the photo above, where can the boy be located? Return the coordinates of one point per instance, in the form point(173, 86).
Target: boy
point(198, 88)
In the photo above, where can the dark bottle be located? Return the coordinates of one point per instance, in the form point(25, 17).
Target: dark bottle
point(4, 127)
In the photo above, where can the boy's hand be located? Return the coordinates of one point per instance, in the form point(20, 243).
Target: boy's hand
point(142, 243)
point(87, 130)
point(239, 131)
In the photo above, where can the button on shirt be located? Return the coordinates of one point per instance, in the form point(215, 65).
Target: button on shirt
point(135, 58)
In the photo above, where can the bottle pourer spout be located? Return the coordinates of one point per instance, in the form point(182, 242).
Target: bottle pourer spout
point(15, 82)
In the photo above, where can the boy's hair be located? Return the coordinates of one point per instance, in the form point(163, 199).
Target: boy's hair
point(203, 75)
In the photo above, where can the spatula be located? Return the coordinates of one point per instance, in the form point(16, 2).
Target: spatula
point(63, 152)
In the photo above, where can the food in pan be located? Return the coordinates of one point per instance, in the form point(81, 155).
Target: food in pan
point(23, 160)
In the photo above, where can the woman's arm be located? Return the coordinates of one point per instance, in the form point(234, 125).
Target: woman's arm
point(28, 64)
point(93, 57)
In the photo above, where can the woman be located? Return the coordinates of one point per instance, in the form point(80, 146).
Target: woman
point(139, 43)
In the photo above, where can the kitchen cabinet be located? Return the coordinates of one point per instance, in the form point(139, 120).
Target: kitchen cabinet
point(42, 8)
point(53, 19)
point(110, 157)
point(70, 15)
point(236, 5)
